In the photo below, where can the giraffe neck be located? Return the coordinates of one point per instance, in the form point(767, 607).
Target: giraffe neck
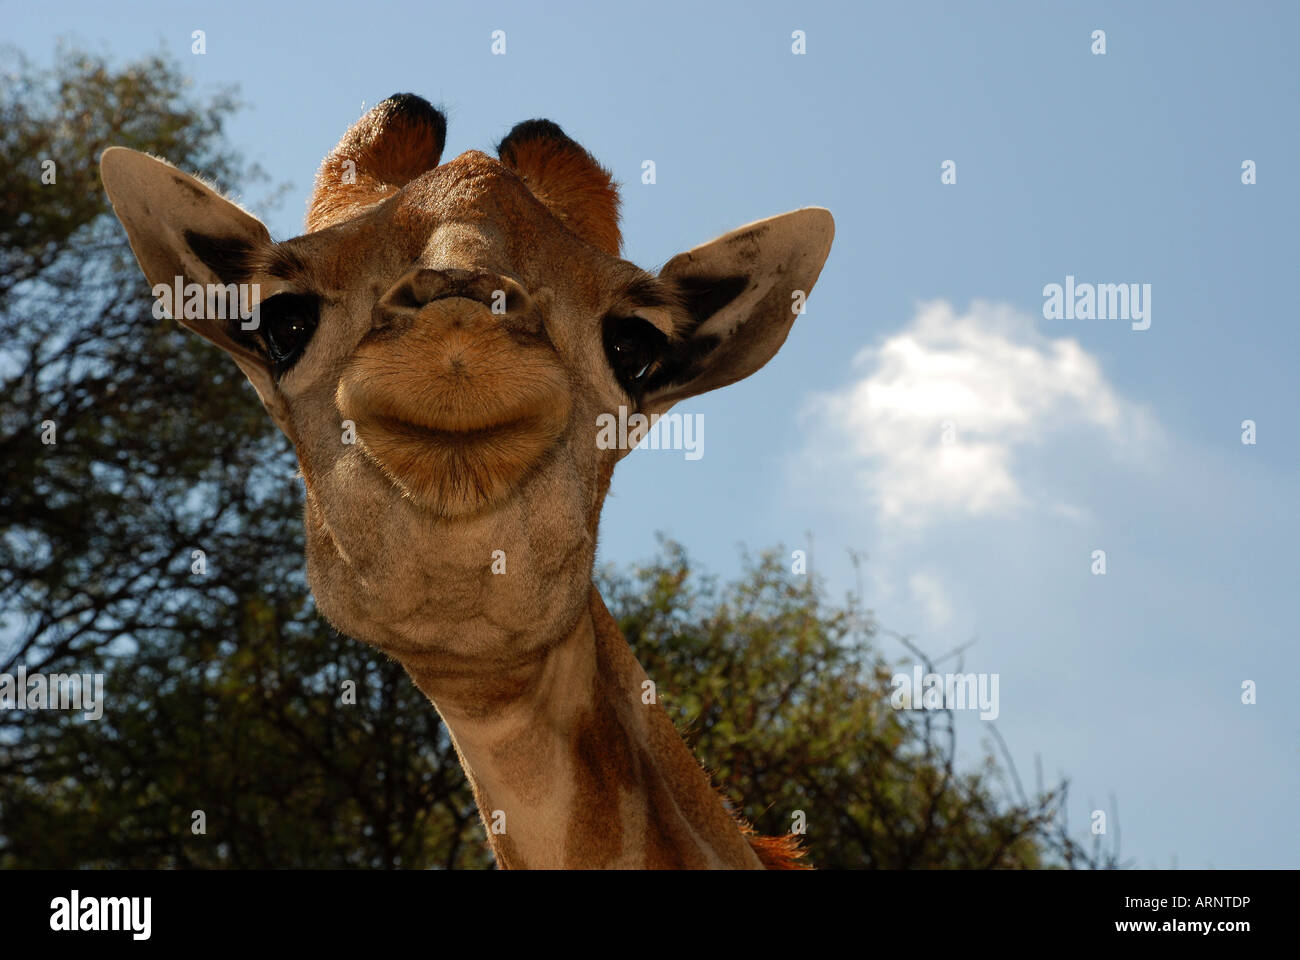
point(572, 769)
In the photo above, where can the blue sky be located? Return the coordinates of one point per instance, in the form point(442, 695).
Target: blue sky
point(1069, 436)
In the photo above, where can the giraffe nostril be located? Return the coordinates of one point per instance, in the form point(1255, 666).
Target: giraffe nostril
point(498, 293)
point(429, 285)
point(505, 298)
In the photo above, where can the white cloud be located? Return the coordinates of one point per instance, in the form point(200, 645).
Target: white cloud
point(929, 593)
point(943, 412)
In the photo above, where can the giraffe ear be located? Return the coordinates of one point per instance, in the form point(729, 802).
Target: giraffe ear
point(183, 232)
point(742, 292)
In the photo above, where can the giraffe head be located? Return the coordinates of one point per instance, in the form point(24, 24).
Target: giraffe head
point(440, 347)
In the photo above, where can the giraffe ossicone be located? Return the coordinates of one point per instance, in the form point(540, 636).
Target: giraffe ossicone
point(470, 323)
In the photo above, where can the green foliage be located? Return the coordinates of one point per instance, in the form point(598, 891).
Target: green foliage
point(225, 689)
point(787, 699)
point(69, 114)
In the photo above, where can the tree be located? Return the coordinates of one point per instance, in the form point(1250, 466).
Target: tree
point(221, 684)
point(787, 697)
point(158, 541)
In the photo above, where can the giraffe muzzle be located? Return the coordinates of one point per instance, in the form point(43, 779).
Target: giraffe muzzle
point(457, 391)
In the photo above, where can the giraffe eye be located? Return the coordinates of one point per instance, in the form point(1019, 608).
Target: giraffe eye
point(287, 322)
point(632, 346)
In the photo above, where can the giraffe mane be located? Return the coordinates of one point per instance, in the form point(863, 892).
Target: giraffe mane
point(775, 853)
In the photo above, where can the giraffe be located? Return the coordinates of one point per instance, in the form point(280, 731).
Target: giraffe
point(439, 347)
